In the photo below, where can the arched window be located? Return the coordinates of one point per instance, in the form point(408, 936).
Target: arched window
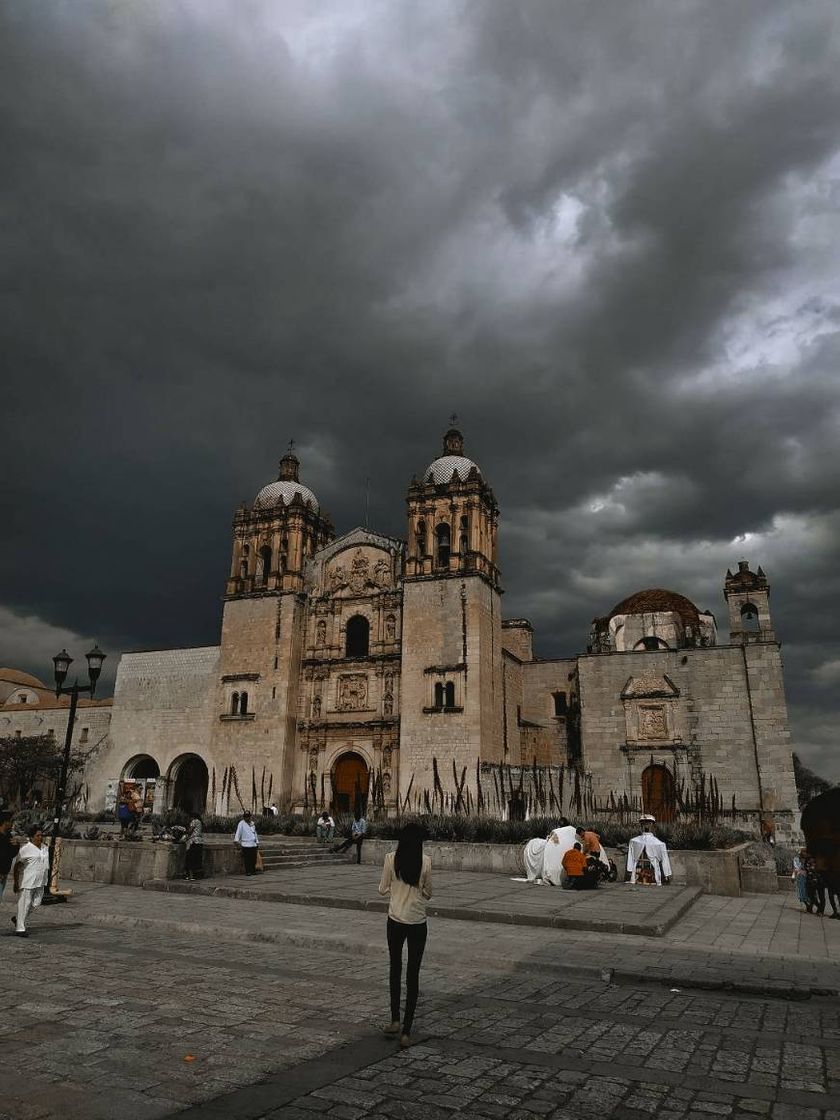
point(449, 695)
point(265, 564)
point(651, 642)
point(243, 569)
point(420, 538)
point(358, 636)
point(439, 695)
point(442, 537)
point(749, 618)
point(243, 704)
point(559, 704)
point(234, 704)
point(464, 546)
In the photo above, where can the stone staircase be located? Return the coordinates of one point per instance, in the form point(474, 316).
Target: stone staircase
point(282, 857)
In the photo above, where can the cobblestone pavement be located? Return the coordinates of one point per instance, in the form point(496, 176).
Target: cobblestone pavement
point(122, 1023)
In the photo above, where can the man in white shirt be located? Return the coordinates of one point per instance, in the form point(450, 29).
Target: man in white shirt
point(31, 872)
point(647, 856)
point(247, 839)
point(324, 828)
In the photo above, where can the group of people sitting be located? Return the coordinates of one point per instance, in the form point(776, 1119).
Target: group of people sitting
point(573, 857)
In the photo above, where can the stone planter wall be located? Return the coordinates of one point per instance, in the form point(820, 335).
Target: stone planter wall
point(716, 872)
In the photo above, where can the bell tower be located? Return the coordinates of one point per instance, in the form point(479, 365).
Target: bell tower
point(451, 701)
point(275, 537)
point(453, 518)
point(747, 595)
point(263, 624)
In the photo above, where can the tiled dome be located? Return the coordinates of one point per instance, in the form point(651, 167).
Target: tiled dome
point(444, 469)
point(284, 490)
point(655, 600)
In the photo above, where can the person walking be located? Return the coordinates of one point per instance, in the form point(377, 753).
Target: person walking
point(8, 850)
point(194, 840)
point(358, 831)
point(247, 839)
point(407, 879)
point(800, 879)
point(32, 870)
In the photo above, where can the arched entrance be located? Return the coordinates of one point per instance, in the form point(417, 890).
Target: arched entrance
point(659, 792)
point(188, 780)
point(143, 766)
point(350, 783)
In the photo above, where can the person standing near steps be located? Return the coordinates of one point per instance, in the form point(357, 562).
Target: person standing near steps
point(407, 878)
point(246, 838)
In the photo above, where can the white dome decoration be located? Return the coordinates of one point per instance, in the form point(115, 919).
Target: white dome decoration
point(284, 490)
point(444, 469)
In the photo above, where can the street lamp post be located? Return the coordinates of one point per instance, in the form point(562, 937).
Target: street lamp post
point(62, 662)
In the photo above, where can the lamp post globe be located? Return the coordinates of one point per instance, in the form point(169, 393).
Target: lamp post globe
point(62, 662)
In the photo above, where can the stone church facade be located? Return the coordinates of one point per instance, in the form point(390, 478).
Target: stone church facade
point(342, 657)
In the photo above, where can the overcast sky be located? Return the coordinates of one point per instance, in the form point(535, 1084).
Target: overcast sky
point(605, 234)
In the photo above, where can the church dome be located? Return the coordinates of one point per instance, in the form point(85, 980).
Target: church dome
point(16, 676)
point(444, 469)
point(287, 487)
point(452, 462)
point(284, 491)
point(657, 600)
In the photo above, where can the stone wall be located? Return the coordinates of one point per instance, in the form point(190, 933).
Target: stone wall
point(455, 635)
point(163, 702)
point(692, 709)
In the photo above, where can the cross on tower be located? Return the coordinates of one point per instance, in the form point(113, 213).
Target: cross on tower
point(453, 420)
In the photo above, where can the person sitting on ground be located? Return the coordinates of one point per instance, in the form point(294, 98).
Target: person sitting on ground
point(358, 831)
point(247, 839)
point(574, 868)
point(324, 828)
point(590, 841)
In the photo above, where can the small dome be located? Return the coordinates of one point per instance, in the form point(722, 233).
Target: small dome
point(284, 490)
point(656, 600)
point(444, 469)
point(287, 486)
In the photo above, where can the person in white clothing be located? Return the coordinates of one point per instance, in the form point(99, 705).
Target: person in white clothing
point(647, 856)
point(247, 839)
point(31, 872)
point(560, 840)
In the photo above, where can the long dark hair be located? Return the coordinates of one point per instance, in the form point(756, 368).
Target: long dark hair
point(408, 861)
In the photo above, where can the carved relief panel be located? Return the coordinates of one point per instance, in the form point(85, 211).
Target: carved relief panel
point(352, 693)
point(653, 723)
point(365, 571)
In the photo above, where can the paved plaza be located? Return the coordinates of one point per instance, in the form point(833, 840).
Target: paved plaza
point(128, 1003)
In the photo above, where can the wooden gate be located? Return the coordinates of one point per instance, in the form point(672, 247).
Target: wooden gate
point(350, 783)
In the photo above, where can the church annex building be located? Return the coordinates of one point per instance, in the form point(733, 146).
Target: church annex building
point(342, 656)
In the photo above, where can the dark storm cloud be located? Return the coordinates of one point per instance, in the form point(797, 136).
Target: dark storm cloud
point(604, 234)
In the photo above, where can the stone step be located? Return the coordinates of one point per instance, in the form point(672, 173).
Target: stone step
point(267, 866)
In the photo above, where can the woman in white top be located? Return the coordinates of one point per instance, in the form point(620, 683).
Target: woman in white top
point(31, 871)
point(407, 878)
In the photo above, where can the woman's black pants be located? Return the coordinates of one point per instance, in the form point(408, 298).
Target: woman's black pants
point(249, 858)
point(415, 935)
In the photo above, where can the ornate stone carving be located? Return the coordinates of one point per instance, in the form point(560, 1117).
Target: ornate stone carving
point(352, 693)
point(386, 784)
point(388, 704)
point(652, 723)
point(390, 628)
point(321, 633)
point(386, 757)
point(316, 707)
point(360, 578)
point(313, 759)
